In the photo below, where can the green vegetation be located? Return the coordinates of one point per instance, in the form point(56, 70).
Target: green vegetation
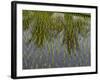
point(46, 26)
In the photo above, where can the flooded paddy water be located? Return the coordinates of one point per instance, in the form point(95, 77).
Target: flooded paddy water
point(55, 53)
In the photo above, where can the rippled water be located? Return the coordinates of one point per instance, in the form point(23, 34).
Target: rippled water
point(34, 57)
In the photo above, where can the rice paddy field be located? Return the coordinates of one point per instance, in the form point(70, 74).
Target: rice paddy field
point(56, 39)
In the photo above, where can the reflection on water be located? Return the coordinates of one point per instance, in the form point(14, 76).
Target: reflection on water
point(56, 56)
point(54, 53)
